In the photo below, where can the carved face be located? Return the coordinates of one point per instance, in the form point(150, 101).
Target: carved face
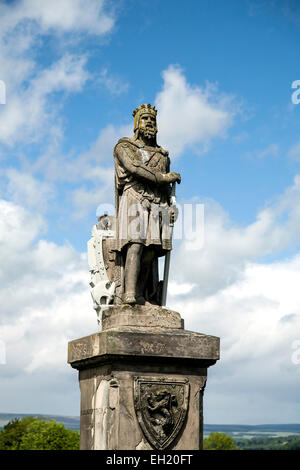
point(147, 125)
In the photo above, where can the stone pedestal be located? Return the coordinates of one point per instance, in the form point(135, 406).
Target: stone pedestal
point(142, 380)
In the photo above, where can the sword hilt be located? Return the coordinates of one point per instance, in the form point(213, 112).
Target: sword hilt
point(173, 203)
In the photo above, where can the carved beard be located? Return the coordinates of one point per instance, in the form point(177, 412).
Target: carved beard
point(148, 132)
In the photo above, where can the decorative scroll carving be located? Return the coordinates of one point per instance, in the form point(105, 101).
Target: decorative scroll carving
point(101, 262)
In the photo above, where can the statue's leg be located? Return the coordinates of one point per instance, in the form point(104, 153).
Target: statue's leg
point(132, 270)
point(146, 262)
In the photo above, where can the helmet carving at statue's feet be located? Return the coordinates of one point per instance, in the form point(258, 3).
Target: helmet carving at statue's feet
point(129, 299)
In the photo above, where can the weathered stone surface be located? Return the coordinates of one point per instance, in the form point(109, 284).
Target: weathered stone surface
point(142, 344)
point(109, 420)
point(140, 316)
point(111, 364)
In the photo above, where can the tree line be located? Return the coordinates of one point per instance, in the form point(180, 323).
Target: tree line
point(31, 433)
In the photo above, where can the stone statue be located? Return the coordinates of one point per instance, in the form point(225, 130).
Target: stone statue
point(142, 361)
point(141, 231)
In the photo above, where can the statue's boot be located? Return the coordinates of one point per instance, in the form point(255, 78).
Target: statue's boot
point(141, 285)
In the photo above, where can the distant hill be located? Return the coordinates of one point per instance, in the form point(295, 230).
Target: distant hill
point(238, 431)
point(241, 431)
point(70, 422)
point(250, 428)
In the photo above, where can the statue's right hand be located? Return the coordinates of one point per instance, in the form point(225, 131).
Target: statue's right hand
point(174, 177)
point(171, 177)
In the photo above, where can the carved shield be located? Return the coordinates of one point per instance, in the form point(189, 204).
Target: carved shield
point(161, 406)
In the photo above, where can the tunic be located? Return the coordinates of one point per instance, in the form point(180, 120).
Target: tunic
point(143, 210)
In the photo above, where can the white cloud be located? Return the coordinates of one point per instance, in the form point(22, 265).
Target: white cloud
point(86, 199)
point(93, 169)
point(35, 92)
point(176, 288)
point(67, 15)
point(294, 152)
point(114, 85)
point(271, 151)
point(258, 319)
point(190, 116)
point(45, 302)
point(92, 166)
point(253, 306)
point(99, 155)
point(228, 247)
point(29, 114)
point(23, 188)
point(31, 268)
point(13, 221)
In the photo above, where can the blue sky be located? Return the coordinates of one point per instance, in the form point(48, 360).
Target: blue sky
point(220, 74)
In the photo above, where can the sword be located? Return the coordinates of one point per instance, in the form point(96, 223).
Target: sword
point(168, 254)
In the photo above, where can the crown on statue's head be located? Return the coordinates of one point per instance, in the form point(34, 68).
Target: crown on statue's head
point(143, 109)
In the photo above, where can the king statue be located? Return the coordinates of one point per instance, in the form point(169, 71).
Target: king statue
point(142, 375)
point(144, 216)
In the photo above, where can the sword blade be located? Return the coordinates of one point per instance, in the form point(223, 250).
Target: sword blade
point(168, 255)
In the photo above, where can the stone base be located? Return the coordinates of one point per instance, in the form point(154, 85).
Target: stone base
point(142, 386)
point(140, 316)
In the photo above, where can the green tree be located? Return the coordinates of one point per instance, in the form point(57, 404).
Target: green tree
point(12, 433)
point(37, 434)
point(219, 441)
